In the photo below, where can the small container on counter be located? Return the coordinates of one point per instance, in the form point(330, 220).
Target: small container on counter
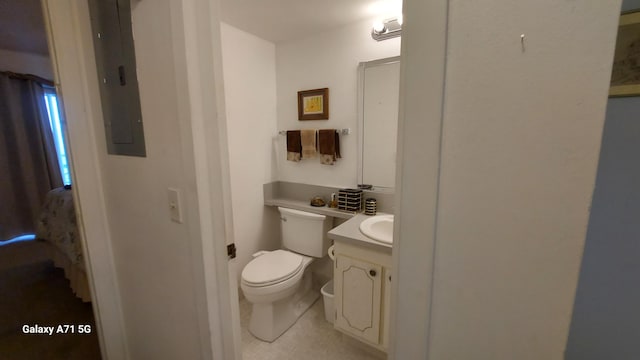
point(370, 206)
point(334, 202)
point(317, 201)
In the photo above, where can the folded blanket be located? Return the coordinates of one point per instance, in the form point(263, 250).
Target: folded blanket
point(309, 149)
point(294, 145)
point(329, 146)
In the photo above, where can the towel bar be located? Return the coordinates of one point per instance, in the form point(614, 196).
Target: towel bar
point(339, 131)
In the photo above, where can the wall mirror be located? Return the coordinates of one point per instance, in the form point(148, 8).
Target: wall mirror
point(378, 95)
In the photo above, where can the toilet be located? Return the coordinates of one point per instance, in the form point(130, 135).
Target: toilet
point(277, 283)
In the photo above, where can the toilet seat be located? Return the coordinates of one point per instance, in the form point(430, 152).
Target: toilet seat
point(272, 268)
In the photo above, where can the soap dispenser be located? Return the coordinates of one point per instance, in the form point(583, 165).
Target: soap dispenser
point(333, 203)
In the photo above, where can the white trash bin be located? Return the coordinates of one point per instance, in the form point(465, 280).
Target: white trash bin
point(327, 298)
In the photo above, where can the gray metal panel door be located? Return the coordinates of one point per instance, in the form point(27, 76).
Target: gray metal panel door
point(116, 63)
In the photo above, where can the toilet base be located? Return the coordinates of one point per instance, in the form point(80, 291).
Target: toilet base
point(270, 320)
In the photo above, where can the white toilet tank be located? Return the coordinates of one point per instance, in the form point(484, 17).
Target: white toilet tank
point(304, 232)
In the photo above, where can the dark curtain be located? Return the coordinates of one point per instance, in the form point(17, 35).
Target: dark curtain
point(28, 159)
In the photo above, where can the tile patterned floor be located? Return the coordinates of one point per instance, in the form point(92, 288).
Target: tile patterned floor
point(310, 338)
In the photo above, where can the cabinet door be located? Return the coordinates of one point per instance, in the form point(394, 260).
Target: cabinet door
point(386, 308)
point(358, 295)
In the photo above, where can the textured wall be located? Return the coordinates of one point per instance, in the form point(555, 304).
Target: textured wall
point(521, 138)
point(330, 60)
point(249, 65)
point(26, 63)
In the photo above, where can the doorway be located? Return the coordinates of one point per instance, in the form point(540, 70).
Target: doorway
point(48, 297)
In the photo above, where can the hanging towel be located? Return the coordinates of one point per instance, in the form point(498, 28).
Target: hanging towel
point(309, 148)
point(329, 146)
point(294, 146)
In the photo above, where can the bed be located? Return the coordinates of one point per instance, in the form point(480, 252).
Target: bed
point(57, 226)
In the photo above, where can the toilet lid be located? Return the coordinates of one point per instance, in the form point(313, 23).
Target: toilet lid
point(272, 267)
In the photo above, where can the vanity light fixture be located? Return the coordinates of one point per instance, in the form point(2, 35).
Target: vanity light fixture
point(387, 29)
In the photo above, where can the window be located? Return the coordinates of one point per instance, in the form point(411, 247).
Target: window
point(51, 100)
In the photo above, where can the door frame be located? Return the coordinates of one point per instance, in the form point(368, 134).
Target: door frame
point(421, 109)
point(196, 37)
point(196, 40)
point(61, 21)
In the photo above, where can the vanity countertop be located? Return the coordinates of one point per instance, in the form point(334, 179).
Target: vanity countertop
point(304, 206)
point(349, 232)
point(297, 196)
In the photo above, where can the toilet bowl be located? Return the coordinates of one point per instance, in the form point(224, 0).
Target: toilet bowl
point(278, 283)
point(273, 275)
point(278, 300)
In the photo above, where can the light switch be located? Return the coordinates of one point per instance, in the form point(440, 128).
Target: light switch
point(174, 205)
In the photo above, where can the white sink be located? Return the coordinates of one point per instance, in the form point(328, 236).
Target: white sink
point(378, 228)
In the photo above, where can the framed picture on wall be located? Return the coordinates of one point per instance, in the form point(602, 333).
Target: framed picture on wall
point(313, 104)
point(625, 76)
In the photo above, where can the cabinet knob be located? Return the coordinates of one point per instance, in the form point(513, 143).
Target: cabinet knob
point(372, 272)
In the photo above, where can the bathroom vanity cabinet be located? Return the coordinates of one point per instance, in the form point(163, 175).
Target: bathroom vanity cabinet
point(362, 283)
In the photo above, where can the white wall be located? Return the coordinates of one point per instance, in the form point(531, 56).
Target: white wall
point(608, 294)
point(327, 60)
point(256, 150)
point(156, 260)
point(249, 66)
point(520, 143)
point(517, 157)
point(151, 252)
point(26, 63)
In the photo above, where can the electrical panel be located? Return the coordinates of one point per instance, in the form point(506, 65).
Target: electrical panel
point(116, 64)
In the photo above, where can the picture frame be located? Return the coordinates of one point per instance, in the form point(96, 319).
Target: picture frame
point(625, 75)
point(313, 104)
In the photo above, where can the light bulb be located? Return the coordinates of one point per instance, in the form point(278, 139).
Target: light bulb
point(378, 27)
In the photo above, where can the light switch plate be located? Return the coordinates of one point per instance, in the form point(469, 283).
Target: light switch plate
point(174, 205)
